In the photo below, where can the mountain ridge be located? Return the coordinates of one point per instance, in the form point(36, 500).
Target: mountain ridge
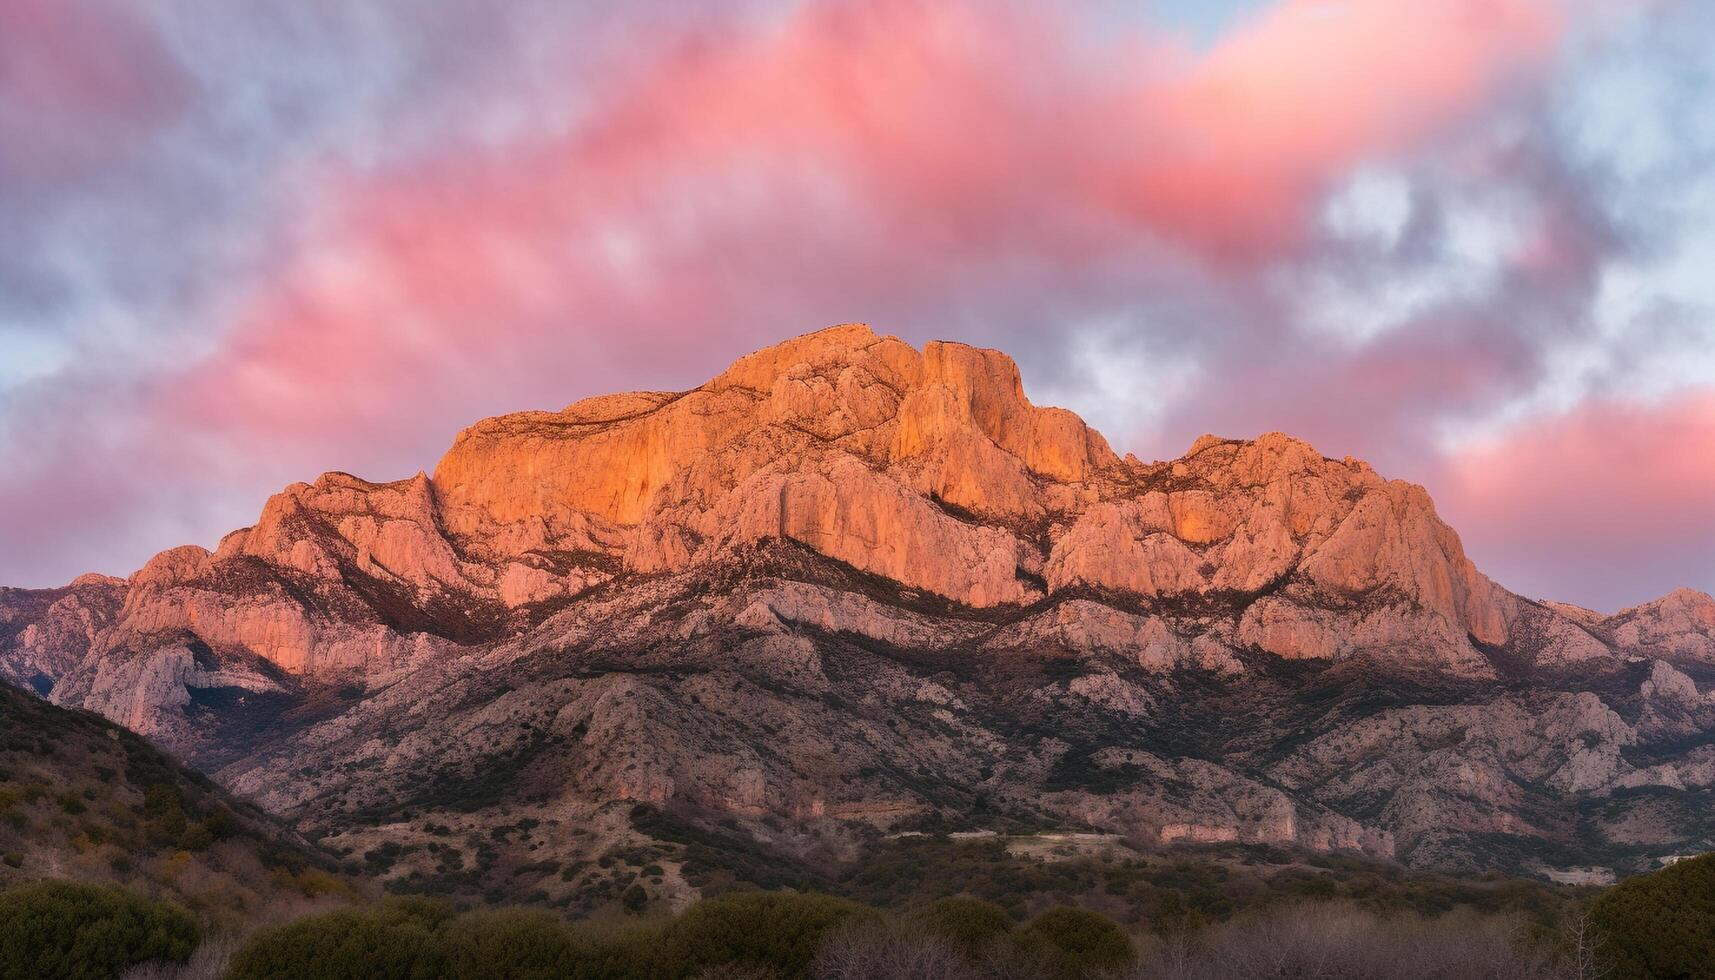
point(842, 527)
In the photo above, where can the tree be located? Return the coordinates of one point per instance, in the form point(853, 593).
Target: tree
point(1076, 942)
point(385, 944)
point(634, 898)
point(970, 924)
point(513, 943)
point(781, 931)
point(1660, 924)
point(60, 930)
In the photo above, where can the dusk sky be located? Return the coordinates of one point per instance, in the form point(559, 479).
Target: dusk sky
point(1471, 241)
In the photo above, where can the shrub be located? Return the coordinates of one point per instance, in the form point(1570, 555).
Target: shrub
point(165, 815)
point(386, 944)
point(1171, 916)
point(634, 898)
point(970, 924)
point(1075, 942)
point(616, 950)
point(891, 955)
point(781, 931)
point(14, 859)
point(515, 944)
point(219, 824)
point(731, 972)
point(418, 938)
point(162, 799)
point(207, 963)
point(314, 884)
point(60, 930)
point(195, 838)
point(432, 913)
point(1338, 942)
point(1660, 924)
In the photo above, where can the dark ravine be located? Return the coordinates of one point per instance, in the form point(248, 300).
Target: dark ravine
point(849, 586)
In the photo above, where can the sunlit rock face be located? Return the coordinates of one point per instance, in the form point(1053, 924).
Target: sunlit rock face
point(851, 579)
point(856, 446)
point(1678, 626)
point(933, 470)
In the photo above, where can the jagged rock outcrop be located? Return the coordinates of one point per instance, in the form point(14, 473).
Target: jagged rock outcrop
point(1679, 626)
point(851, 579)
point(47, 633)
point(930, 469)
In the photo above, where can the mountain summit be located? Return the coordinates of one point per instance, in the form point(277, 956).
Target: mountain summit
point(848, 583)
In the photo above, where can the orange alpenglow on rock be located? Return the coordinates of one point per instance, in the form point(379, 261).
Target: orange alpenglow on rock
point(930, 468)
point(844, 559)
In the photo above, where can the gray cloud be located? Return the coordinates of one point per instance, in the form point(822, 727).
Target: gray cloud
point(139, 264)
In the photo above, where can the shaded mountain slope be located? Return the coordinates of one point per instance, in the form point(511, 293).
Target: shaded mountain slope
point(83, 798)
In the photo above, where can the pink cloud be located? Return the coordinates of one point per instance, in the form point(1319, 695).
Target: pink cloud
point(80, 82)
point(960, 167)
point(1250, 135)
point(854, 156)
point(1614, 497)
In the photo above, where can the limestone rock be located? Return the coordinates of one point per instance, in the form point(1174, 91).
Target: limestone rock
point(145, 693)
point(800, 604)
point(849, 513)
point(930, 469)
point(848, 579)
point(1090, 627)
point(1678, 626)
point(46, 634)
point(1398, 630)
point(1673, 707)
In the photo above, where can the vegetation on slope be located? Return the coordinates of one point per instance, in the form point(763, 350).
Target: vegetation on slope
point(1657, 925)
point(1158, 889)
point(790, 935)
point(774, 934)
point(61, 930)
point(1660, 924)
point(83, 798)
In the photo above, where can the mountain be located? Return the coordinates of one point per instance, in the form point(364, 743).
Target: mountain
point(849, 587)
point(83, 798)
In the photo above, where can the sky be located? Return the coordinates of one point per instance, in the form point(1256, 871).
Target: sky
point(1470, 241)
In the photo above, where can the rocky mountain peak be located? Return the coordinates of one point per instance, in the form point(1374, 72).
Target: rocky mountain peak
point(845, 560)
point(928, 468)
point(857, 445)
point(1687, 602)
point(1679, 625)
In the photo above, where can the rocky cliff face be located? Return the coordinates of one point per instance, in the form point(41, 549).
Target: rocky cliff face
point(848, 580)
